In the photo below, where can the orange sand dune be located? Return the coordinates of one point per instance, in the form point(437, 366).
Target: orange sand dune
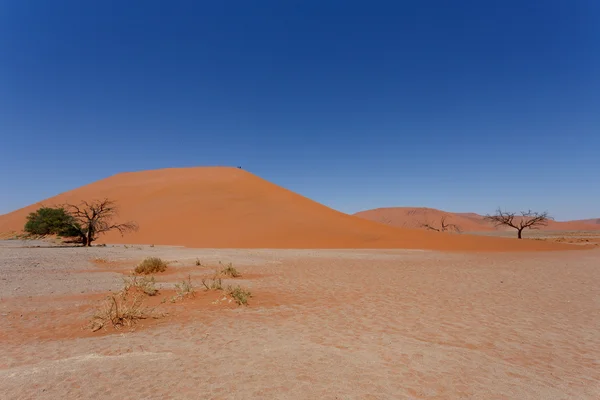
point(571, 226)
point(414, 217)
point(593, 221)
point(222, 207)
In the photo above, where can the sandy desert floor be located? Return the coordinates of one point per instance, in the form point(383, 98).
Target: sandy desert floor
point(586, 238)
point(347, 324)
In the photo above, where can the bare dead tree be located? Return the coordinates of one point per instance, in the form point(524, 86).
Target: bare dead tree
point(526, 219)
point(95, 218)
point(452, 227)
point(443, 226)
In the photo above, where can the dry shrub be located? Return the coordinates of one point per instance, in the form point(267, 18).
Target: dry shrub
point(151, 265)
point(239, 294)
point(184, 289)
point(229, 270)
point(143, 284)
point(122, 309)
point(215, 283)
point(198, 263)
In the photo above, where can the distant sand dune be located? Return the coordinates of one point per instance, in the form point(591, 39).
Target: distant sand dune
point(414, 217)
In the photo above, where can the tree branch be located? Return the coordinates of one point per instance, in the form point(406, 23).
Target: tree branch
point(95, 218)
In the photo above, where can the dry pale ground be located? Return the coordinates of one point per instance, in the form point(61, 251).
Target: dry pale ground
point(586, 238)
point(361, 324)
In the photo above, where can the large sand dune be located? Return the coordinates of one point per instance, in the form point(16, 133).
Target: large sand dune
point(222, 207)
point(414, 217)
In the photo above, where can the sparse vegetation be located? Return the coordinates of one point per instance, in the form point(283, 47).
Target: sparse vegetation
point(239, 294)
point(198, 263)
point(100, 260)
point(184, 289)
point(121, 310)
point(125, 308)
point(215, 283)
point(151, 265)
point(143, 284)
point(229, 270)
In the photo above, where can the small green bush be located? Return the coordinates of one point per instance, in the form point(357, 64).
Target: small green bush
point(52, 221)
point(151, 265)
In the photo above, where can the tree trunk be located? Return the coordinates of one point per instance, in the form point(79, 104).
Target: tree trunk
point(519, 231)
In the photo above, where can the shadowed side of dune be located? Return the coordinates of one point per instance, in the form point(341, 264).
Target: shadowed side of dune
point(222, 207)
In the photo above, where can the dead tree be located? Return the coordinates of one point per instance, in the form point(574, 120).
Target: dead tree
point(443, 226)
point(526, 219)
point(95, 218)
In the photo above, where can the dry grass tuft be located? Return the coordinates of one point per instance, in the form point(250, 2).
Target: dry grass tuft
point(143, 284)
point(122, 309)
point(198, 263)
point(151, 265)
point(239, 294)
point(229, 270)
point(184, 289)
point(215, 283)
point(100, 260)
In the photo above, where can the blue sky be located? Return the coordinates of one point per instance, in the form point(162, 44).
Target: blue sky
point(462, 106)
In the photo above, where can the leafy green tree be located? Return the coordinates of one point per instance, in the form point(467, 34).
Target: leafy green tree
point(51, 221)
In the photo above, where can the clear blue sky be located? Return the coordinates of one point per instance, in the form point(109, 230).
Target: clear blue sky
point(458, 105)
